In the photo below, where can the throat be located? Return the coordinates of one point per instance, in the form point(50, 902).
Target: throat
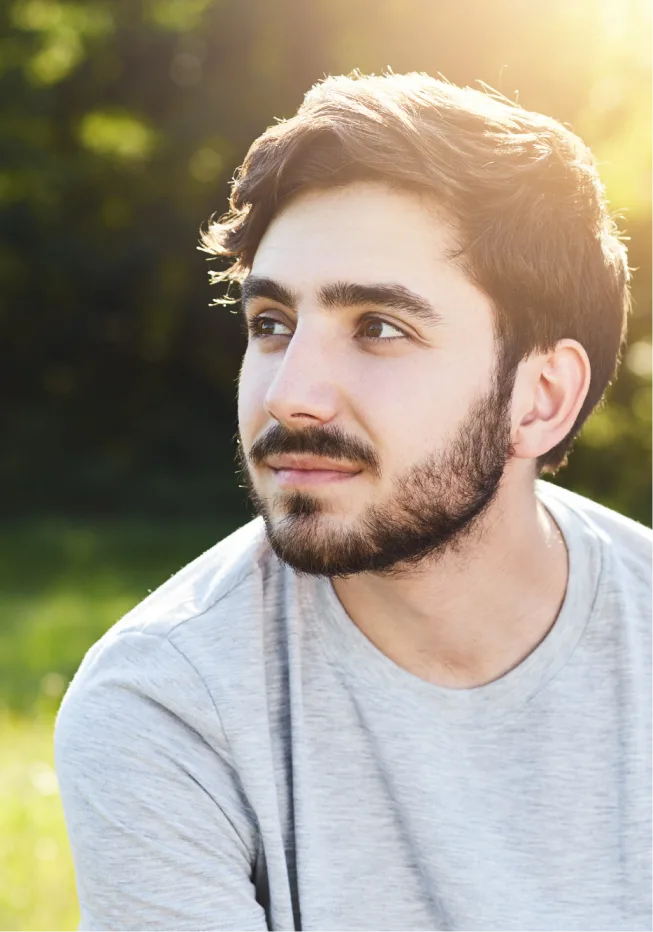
point(464, 630)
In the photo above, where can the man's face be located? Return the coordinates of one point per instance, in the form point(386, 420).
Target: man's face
point(368, 348)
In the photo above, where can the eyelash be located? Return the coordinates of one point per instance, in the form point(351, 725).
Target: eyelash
point(251, 323)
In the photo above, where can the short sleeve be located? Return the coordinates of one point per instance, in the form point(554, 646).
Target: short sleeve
point(160, 831)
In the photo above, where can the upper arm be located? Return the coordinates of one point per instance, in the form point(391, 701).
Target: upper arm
point(159, 829)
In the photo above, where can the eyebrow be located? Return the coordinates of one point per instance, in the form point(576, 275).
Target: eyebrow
point(255, 286)
point(391, 295)
point(345, 294)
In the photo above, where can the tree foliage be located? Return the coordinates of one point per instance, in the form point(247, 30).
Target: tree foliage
point(122, 123)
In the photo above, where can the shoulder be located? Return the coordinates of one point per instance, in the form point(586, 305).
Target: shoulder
point(218, 576)
point(197, 629)
point(628, 543)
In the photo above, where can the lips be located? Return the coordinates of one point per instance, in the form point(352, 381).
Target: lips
point(303, 462)
point(301, 469)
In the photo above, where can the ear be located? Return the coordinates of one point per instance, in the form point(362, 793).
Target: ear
point(550, 389)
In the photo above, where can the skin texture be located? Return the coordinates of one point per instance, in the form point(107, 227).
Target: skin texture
point(437, 547)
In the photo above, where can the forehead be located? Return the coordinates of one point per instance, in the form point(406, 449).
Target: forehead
point(352, 233)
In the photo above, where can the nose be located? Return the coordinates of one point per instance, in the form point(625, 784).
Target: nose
point(304, 388)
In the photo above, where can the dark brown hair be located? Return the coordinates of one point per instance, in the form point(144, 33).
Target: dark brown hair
point(521, 189)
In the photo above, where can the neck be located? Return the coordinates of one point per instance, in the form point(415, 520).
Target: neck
point(477, 612)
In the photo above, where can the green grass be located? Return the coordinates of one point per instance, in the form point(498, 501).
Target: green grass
point(62, 585)
point(37, 886)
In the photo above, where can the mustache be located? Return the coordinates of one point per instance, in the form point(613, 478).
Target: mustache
point(330, 442)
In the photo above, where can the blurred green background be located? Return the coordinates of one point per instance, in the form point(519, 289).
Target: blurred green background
point(120, 126)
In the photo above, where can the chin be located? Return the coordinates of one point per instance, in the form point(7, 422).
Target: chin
point(306, 541)
point(315, 527)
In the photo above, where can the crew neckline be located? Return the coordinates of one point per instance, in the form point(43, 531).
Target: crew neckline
point(348, 648)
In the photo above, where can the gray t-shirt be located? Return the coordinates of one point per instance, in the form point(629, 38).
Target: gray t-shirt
point(236, 755)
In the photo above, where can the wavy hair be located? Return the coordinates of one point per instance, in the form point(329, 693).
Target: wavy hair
point(523, 192)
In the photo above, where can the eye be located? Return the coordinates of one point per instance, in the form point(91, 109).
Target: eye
point(375, 328)
point(262, 326)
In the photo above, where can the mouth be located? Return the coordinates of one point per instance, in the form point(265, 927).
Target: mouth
point(304, 470)
point(287, 477)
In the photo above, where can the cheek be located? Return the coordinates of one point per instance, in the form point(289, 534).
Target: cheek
point(411, 410)
point(252, 388)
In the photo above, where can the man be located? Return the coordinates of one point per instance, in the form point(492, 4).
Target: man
point(414, 693)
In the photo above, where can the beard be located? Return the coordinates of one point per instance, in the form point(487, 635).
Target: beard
point(433, 507)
